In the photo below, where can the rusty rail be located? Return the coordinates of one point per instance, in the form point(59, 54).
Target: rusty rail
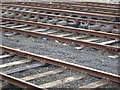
point(66, 11)
point(63, 39)
point(79, 68)
point(78, 30)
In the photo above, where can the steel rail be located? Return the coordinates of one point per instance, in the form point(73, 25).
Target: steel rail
point(92, 8)
point(100, 3)
point(19, 82)
point(90, 21)
point(73, 3)
point(83, 3)
point(66, 28)
point(69, 6)
point(79, 68)
point(63, 39)
point(66, 11)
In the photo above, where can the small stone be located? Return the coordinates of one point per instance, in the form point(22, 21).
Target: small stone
point(115, 56)
point(8, 35)
point(56, 41)
point(64, 44)
point(102, 60)
point(79, 48)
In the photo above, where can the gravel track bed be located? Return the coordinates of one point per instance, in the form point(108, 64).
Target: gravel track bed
point(87, 56)
point(67, 52)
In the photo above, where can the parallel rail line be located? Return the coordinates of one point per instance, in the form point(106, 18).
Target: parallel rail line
point(63, 39)
point(75, 8)
point(90, 21)
point(78, 30)
point(66, 11)
point(22, 82)
point(56, 62)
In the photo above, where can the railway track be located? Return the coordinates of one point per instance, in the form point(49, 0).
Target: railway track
point(48, 68)
point(78, 30)
point(11, 13)
point(110, 35)
point(103, 16)
point(101, 10)
point(89, 4)
point(62, 36)
point(36, 71)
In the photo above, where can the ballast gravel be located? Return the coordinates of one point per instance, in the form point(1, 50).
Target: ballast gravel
point(67, 52)
point(64, 51)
